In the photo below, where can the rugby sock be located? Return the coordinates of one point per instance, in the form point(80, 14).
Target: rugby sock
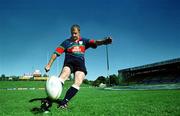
point(62, 82)
point(71, 92)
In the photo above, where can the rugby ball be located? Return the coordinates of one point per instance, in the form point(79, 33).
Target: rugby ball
point(53, 87)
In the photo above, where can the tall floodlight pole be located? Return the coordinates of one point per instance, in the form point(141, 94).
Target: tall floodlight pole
point(107, 61)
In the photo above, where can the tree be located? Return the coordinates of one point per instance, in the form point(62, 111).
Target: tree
point(45, 75)
point(3, 76)
point(114, 80)
point(96, 83)
point(99, 80)
point(86, 81)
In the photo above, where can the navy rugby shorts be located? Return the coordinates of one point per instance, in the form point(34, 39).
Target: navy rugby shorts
point(75, 64)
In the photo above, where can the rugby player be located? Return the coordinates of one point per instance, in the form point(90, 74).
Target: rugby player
point(74, 49)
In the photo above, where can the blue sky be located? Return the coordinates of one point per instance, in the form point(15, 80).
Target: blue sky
point(143, 32)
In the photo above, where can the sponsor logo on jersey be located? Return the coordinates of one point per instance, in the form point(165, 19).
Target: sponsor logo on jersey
point(80, 42)
point(76, 49)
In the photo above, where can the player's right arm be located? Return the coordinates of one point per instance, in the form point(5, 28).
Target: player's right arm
point(59, 50)
point(53, 58)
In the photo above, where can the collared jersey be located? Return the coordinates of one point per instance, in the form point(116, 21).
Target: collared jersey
point(75, 49)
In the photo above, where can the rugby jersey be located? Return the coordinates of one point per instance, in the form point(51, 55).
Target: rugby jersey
point(75, 48)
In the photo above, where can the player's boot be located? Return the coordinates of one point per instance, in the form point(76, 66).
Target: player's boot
point(62, 104)
point(71, 92)
point(45, 105)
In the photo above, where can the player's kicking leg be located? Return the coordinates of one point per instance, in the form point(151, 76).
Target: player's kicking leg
point(71, 92)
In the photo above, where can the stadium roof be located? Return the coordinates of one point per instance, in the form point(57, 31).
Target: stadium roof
point(177, 60)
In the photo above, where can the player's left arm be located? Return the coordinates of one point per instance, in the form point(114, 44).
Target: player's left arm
point(105, 41)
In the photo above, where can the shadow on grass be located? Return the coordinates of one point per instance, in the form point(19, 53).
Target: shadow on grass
point(45, 105)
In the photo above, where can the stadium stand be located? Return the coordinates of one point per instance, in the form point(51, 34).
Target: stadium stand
point(161, 72)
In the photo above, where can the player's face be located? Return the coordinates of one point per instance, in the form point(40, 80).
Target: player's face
point(75, 34)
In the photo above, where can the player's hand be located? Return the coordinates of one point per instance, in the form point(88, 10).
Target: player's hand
point(47, 68)
point(107, 40)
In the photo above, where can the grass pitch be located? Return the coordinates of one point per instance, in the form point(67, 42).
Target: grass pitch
point(92, 101)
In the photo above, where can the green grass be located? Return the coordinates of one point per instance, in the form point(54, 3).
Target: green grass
point(29, 84)
point(94, 101)
point(22, 84)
